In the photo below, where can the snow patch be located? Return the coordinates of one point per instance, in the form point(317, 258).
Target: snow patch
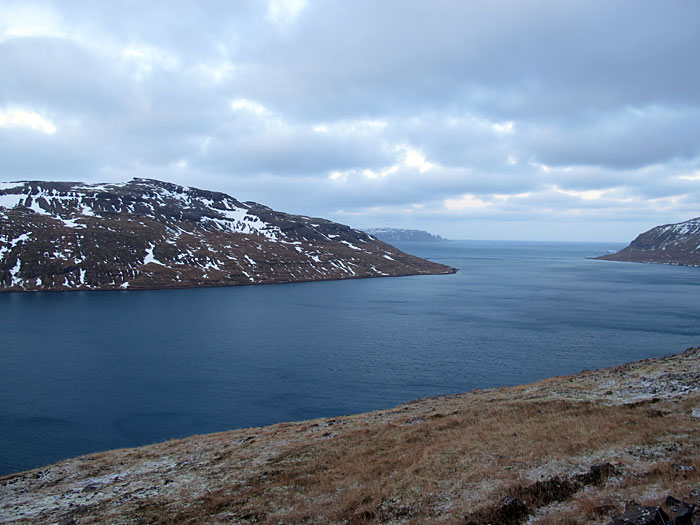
point(71, 223)
point(149, 257)
point(21, 238)
point(12, 200)
point(352, 246)
point(16, 281)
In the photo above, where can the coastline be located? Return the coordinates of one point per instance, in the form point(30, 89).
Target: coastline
point(448, 271)
point(444, 458)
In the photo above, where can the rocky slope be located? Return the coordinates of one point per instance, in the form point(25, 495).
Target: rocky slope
point(576, 449)
point(398, 235)
point(152, 234)
point(667, 244)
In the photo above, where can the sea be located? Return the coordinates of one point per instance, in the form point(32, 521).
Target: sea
point(82, 372)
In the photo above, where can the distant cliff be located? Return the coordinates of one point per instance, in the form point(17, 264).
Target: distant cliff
point(151, 234)
point(668, 244)
point(397, 235)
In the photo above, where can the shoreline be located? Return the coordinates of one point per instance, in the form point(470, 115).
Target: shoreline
point(450, 271)
point(431, 459)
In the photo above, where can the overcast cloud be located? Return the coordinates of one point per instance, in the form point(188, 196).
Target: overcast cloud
point(475, 120)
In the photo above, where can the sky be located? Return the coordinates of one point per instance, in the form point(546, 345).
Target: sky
point(518, 120)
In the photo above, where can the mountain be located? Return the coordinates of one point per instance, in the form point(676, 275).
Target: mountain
point(667, 244)
point(397, 235)
point(151, 234)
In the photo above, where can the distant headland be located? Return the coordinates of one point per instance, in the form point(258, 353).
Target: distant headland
point(399, 235)
point(677, 244)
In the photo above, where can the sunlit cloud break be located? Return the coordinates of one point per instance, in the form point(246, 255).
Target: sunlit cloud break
point(26, 119)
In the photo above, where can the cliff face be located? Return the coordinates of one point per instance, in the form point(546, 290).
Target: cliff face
point(152, 234)
point(667, 244)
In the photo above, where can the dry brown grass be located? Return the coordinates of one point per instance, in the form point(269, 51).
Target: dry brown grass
point(437, 468)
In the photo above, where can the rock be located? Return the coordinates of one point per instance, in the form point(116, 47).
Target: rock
point(636, 514)
point(683, 468)
point(92, 487)
point(508, 510)
point(597, 474)
point(681, 511)
point(513, 509)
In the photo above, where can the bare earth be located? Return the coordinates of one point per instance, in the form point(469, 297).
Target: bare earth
point(447, 459)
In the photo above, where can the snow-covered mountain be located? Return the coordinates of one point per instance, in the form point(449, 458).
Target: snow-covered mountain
point(152, 234)
point(398, 235)
point(667, 244)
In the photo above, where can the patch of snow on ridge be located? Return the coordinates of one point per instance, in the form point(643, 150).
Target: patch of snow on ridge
point(685, 228)
point(98, 187)
point(11, 200)
point(9, 185)
point(34, 206)
point(51, 197)
point(238, 220)
point(235, 214)
point(175, 195)
point(21, 238)
point(72, 224)
point(13, 273)
point(150, 258)
point(352, 246)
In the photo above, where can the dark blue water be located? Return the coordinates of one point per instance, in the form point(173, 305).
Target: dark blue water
point(88, 371)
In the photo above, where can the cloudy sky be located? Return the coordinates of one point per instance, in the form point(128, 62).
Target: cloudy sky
point(529, 120)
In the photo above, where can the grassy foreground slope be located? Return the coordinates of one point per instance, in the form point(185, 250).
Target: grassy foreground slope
point(448, 459)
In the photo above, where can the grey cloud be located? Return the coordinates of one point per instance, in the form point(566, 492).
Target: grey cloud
point(626, 139)
point(512, 60)
point(29, 154)
point(57, 73)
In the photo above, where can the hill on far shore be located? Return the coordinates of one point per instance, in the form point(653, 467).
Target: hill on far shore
point(677, 244)
point(399, 235)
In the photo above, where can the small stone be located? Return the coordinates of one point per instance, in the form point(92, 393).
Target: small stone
point(683, 468)
point(92, 487)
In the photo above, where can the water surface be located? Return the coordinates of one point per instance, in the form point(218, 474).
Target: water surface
point(88, 371)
